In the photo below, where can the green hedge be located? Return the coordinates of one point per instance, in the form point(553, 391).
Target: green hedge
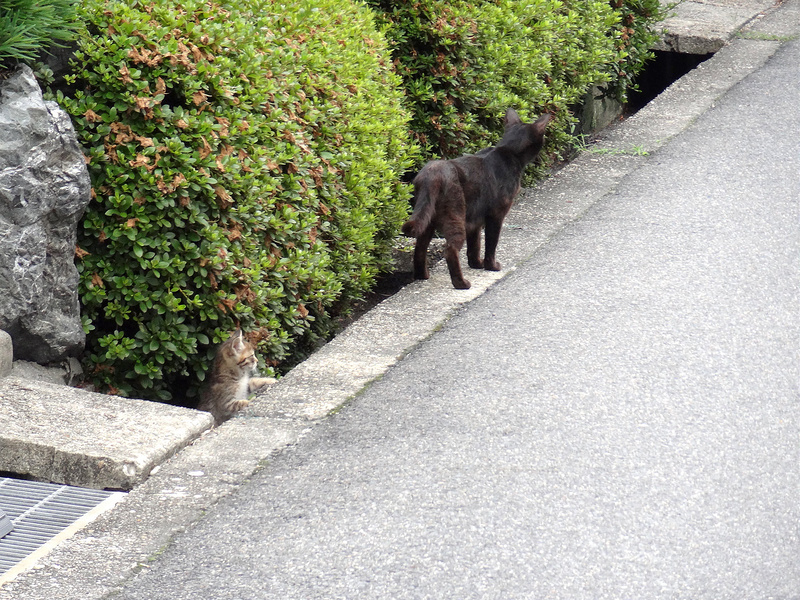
point(30, 27)
point(464, 63)
point(246, 162)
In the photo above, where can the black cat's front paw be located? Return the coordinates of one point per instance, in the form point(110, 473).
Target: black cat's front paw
point(492, 265)
point(422, 274)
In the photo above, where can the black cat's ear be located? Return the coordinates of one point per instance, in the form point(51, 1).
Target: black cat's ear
point(541, 123)
point(512, 118)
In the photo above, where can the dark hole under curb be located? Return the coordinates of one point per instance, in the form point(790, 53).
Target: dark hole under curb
point(660, 73)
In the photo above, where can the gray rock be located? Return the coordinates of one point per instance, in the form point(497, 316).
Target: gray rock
point(44, 189)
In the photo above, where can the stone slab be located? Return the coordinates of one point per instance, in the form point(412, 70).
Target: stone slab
point(703, 26)
point(70, 436)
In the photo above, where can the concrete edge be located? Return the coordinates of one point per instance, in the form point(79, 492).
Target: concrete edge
point(70, 436)
point(6, 354)
point(705, 27)
point(96, 561)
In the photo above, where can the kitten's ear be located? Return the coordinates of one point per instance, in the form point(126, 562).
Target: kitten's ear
point(238, 341)
point(512, 118)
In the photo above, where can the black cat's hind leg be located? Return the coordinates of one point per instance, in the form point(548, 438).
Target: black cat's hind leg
point(474, 247)
point(421, 254)
point(454, 236)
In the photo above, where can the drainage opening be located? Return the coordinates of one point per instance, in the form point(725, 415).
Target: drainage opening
point(660, 73)
point(36, 516)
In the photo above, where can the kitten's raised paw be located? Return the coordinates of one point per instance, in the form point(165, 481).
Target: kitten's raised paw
point(256, 383)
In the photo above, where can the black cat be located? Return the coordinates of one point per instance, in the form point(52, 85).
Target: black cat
point(460, 197)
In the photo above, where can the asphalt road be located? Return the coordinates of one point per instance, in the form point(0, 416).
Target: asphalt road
point(619, 418)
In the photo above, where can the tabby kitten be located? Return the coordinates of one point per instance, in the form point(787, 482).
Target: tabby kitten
point(231, 382)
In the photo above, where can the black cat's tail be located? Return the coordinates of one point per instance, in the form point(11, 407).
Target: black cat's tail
point(427, 187)
point(421, 217)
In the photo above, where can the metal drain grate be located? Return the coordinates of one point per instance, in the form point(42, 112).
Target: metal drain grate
point(5, 524)
point(43, 514)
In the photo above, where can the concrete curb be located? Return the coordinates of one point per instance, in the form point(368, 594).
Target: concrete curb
point(46, 434)
point(703, 27)
point(94, 562)
point(6, 354)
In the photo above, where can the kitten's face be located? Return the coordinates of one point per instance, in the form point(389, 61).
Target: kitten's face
point(247, 361)
point(238, 354)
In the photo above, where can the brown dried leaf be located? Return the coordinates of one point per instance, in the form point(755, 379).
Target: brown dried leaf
point(225, 124)
point(225, 199)
point(199, 97)
point(234, 233)
point(111, 153)
point(196, 53)
point(169, 188)
point(244, 292)
point(226, 305)
point(146, 142)
point(92, 116)
point(140, 161)
point(145, 57)
point(205, 151)
point(125, 75)
point(124, 133)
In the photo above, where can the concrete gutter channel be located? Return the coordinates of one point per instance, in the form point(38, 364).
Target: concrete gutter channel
point(177, 466)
